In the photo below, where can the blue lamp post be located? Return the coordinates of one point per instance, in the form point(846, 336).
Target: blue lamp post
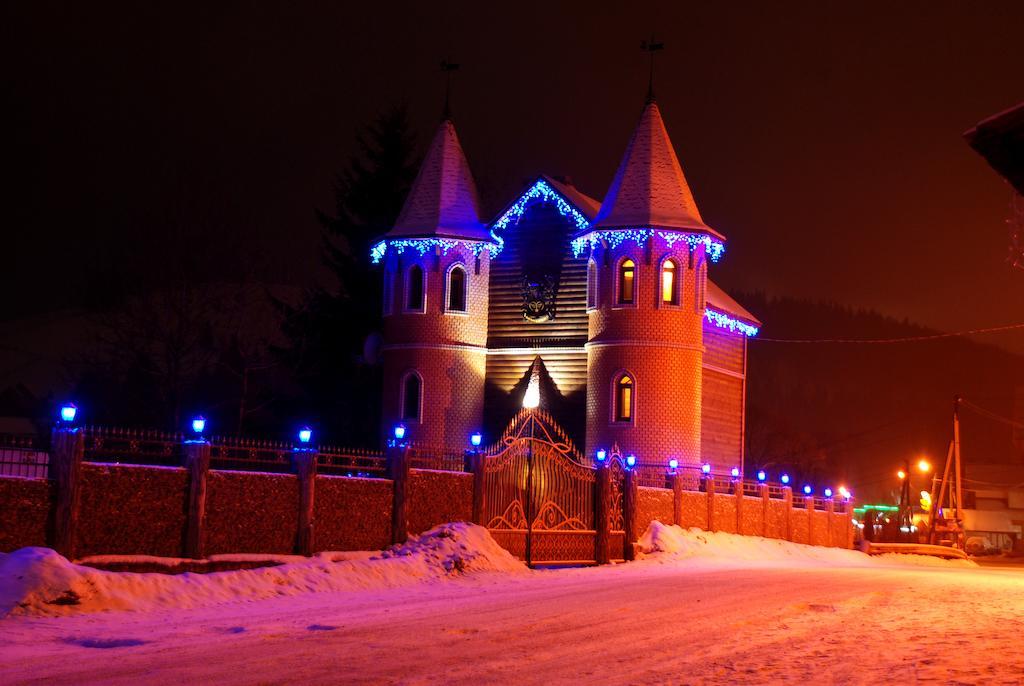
point(476, 439)
point(68, 412)
point(761, 476)
point(305, 436)
point(198, 425)
point(602, 455)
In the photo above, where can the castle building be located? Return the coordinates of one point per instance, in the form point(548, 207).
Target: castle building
point(600, 312)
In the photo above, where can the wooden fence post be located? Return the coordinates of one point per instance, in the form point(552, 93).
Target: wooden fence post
point(630, 495)
point(830, 508)
point(787, 497)
point(66, 452)
point(398, 471)
point(709, 489)
point(809, 506)
point(765, 509)
point(677, 498)
point(602, 512)
point(197, 462)
point(477, 463)
point(304, 463)
point(737, 491)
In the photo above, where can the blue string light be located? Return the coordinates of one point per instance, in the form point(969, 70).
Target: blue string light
point(539, 192)
point(724, 321)
point(640, 235)
point(425, 245)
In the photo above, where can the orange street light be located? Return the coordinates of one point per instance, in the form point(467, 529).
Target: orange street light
point(901, 474)
point(924, 466)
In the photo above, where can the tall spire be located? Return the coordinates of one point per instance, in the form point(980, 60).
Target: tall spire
point(443, 201)
point(447, 68)
point(651, 47)
point(649, 189)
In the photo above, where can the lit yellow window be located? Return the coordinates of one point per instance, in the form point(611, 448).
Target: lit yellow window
point(624, 399)
point(669, 294)
point(627, 274)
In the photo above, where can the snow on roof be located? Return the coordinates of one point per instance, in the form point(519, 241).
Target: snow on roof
point(720, 300)
point(649, 188)
point(584, 203)
point(443, 201)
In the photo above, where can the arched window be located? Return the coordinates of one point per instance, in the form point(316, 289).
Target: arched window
point(627, 282)
point(591, 285)
point(414, 288)
point(412, 394)
point(669, 282)
point(457, 289)
point(625, 398)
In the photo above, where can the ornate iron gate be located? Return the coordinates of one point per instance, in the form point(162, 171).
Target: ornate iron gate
point(539, 494)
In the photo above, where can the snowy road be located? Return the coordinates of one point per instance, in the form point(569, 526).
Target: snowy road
point(647, 622)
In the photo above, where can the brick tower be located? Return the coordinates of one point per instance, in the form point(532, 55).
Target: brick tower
point(647, 253)
point(436, 269)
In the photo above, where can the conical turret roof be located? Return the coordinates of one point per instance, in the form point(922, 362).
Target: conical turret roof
point(649, 188)
point(443, 202)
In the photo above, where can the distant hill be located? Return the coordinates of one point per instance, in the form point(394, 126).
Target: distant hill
point(832, 412)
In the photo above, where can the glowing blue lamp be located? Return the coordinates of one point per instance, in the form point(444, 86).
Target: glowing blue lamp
point(761, 476)
point(198, 425)
point(784, 478)
point(673, 463)
point(476, 439)
point(399, 431)
point(305, 435)
point(807, 490)
point(630, 460)
point(602, 455)
point(735, 472)
point(68, 412)
point(828, 492)
point(706, 468)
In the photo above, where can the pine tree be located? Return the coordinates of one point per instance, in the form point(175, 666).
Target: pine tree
point(331, 332)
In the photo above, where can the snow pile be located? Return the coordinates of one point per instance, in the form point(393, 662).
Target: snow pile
point(38, 581)
point(674, 542)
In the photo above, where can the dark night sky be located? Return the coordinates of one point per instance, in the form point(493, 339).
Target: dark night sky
point(824, 139)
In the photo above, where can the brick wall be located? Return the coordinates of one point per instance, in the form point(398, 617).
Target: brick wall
point(438, 497)
point(132, 510)
point(250, 512)
point(447, 349)
point(24, 511)
point(352, 514)
point(659, 345)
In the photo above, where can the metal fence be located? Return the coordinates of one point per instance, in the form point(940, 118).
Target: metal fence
point(148, 447)
point(23, 456)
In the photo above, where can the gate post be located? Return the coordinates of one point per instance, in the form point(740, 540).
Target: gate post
point(304, 463)
point(630, 495)
point(66, 452)
point(602, 512)
point(477, 460)
point(677, 498)
point(710, 493)
point(398, 471)
point(787, 497)
point(765, 505)
point(737, 491)
point(830, 509)
point(197, 462)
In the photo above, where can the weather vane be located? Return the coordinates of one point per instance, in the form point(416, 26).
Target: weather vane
point(651, 47)
point(447, 68)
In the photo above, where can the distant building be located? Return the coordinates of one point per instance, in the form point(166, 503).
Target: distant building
point(994, 504)
point(601, 312)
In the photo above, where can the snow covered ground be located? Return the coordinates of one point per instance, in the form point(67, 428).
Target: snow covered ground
point(452, 607)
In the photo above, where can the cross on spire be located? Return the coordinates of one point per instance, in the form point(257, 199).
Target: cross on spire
point(447, 68)
point(651, 47)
